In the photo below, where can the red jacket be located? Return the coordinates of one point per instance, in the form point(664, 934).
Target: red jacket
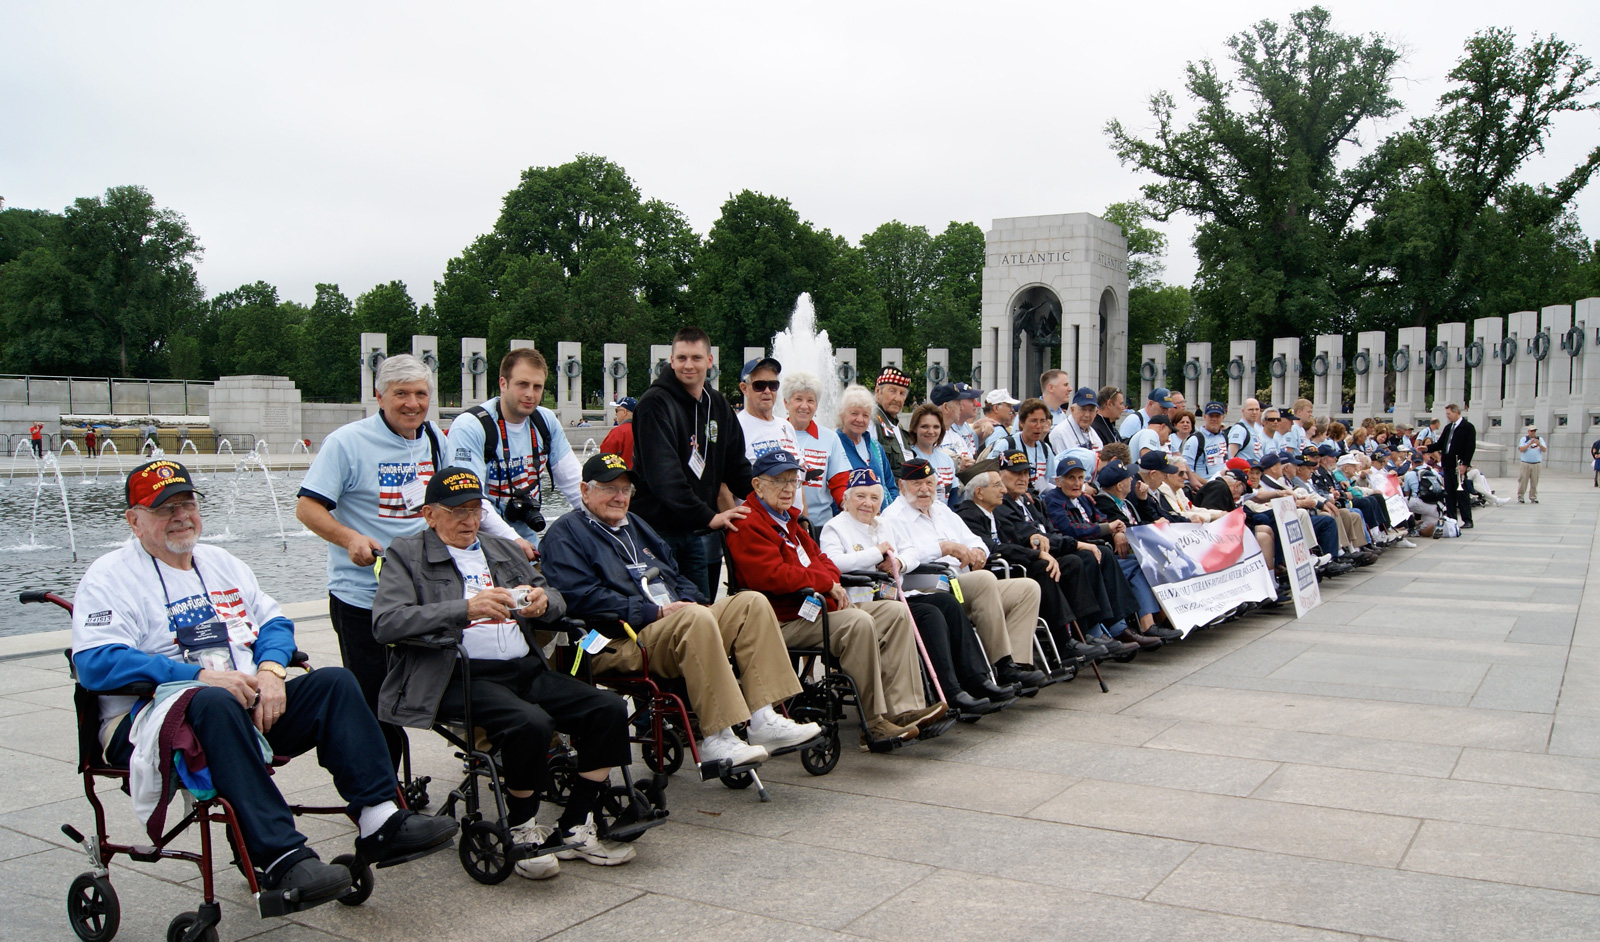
point(619, 441)
point(767, 563)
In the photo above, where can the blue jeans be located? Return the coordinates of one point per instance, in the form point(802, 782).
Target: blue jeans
point(698, 558)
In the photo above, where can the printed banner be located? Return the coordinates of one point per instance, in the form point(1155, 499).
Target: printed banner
point(1297, 556)
point(1393, 497)
point(1202, 571)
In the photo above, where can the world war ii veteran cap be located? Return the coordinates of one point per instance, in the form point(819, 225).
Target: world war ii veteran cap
point(605, 467)
point(453, 487)
point(154, 482)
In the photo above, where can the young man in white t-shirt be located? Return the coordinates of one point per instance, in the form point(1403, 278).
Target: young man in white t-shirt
point(164, 608)
point(763, 432)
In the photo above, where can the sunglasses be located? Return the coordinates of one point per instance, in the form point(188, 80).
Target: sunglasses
point(763, 385)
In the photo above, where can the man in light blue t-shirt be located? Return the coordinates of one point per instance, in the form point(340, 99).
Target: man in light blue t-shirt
point(1158, 402)
point(526, 438)
point(364, 489)
point(1531, 451)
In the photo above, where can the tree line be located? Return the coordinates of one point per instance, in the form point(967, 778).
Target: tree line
point(108, 287)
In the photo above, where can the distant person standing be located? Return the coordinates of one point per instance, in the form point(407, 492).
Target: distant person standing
point(91, 441)
point(1457, 442)
point(1594, 452)
point(36, 434)
point(366, 488)
point(688, 444)
point(619, 441)
point(1531, 450)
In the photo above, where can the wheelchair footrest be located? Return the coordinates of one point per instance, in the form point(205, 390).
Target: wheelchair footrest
point(628, 832)
point(938, 728)
point(713, 770)
point(144, 853)
point(884, 746)
point(816, 740)
point(396, 861)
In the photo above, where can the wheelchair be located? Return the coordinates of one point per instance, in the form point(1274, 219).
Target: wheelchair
point(1060, 667)
point(488, 853)
point(93, 909)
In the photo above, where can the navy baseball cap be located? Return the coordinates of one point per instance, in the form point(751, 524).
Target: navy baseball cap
point(1290, 456)
point(968, 391)
point(1015, 461)
point(943, 393)
point(603, 467)
point(1161, 396)
point(452, 487)
point(1113, 474)
point(1328, 450)
point(1070, 463)
point(1216, 408)
point(1085, 397)
point(1268, 460)
point(774, 463)
point(1159, 420)
point(751, 366)
point(626, 402)
point(1153, 460)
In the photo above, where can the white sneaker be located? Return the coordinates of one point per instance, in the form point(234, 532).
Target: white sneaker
point(535, 868)
point(585, 844)
point(1502, 501)
point(780, 731)
point(723, 744)
point(1406, 543)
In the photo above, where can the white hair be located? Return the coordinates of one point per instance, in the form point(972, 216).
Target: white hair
point(801, 381)
point(981, 479)
point(877, 488)
point(856, 396)
point(402, 368)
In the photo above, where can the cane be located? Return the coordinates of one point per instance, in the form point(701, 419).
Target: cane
point(1093, 664)
point(894, 570)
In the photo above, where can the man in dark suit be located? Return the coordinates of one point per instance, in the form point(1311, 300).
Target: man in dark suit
point(1458, 441)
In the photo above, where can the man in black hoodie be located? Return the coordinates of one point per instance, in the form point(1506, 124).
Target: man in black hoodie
point(687, 444)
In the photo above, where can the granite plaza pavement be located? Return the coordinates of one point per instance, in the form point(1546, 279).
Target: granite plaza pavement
point(1417, 759)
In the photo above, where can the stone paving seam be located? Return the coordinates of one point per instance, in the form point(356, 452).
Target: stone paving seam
point(895, 895)
point(1571, 641)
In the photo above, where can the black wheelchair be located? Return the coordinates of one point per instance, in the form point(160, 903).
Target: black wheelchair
point(93, 909)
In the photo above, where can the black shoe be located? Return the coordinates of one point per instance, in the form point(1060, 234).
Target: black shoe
point(1165, 634)
point(1334, 568)
point(1089, 652)
point(1468, 524)
point(1008, 672)
point(964, 702)
point(317, 882)
point(987, 689)
point(405, 834)
point(1141, 639)
point(1115, 648)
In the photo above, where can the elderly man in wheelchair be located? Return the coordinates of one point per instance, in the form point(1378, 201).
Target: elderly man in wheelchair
point(451, 586)
point(874, 641)
point(214, 647)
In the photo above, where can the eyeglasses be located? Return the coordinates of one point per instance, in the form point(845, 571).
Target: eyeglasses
point(171, 508)
point(782, 484)
point(466, 511)
point(763, 385)
point(609, 491)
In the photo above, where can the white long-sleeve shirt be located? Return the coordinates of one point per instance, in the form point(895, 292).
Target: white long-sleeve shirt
point(853, 545)
point(918, 534)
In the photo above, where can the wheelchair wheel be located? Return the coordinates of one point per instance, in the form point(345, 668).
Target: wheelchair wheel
point(92, 908)
point(671, 758)
point(178, 928)
point(620, 810)
point(820, 760)
point(738, 780)
point(485, 852)
point(562, 771)
point(360, 879)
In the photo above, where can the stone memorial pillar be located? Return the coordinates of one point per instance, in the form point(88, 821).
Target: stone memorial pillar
point(1411, 374)
point(1370, 364)
point(660, 361)
point(374, 350)
point(1152, 372)
point(1327, 376)
point(938, 369)
point(979, 375)
point(1586, 371)
point(569, 381)
point(715, 372)
point(1197, 376)
point(426, 349)
point(889, 356)
point(614, 376)
point(1522, 372)
point(1284, 369)
point(1555, 380)
point(1450, 379)
point(474, 371)
point(845, 359)
point(1486, 372)
point(1241, 376)
point(751, 353)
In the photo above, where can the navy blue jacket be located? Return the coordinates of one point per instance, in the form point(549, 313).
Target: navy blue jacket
point(591, 569)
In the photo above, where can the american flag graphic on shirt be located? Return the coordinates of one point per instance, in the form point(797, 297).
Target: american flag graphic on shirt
point(392, 475)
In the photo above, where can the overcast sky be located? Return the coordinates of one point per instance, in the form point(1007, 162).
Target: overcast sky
point(360, 143)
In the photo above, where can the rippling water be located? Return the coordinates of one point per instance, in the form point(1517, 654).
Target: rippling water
point(237, 513)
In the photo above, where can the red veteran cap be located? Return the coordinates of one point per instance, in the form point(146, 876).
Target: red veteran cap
point(150, 484)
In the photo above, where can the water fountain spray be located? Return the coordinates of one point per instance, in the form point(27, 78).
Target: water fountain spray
point(803, 347)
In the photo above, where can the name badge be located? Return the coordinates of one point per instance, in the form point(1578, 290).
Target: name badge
point(412, 492)
point(594, 642)
point(811, 608)
point(697, 464)
point(800, 550)
point(240, 630)
point(206, 644)
point(657, 591)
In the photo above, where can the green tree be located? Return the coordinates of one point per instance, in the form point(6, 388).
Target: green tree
point(388, 309)
point(104, 292)
point(900, 258)
point(256, 333)
point(1264, 177)
point(1457, 235)
point(329, 360)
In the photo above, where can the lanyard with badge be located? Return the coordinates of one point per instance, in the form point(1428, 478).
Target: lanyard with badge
point(414, 490)
point(202, 635)
point(651, 583)
point(699, 443)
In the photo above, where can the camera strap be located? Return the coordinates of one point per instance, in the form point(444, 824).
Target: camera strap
point(494, 434)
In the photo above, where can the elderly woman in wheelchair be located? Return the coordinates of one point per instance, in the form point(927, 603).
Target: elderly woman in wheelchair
point(460, 609)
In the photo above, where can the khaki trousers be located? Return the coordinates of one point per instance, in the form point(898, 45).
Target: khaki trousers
point(1528, 480)
point(1005, 613)
point(695, 643)
point(1352, 529)
point(875, 646)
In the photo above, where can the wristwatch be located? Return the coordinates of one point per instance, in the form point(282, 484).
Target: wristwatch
point(272, 668)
